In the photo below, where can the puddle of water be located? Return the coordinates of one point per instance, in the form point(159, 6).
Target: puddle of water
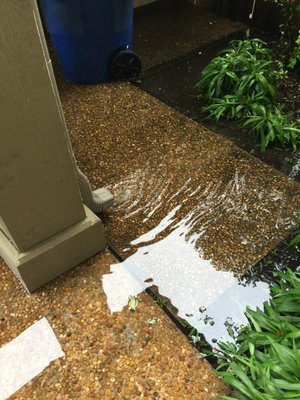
point(235, 219)
point(194, 238)
point(296, 167)
point(211, 301)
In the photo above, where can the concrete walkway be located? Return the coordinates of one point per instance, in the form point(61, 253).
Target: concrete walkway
point(117, 356)
point(154, 159)
point(166, 172)
point(193, 212)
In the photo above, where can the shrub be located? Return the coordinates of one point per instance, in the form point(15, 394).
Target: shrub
point(240, 84)
point(234, 106)
point(244, 69)
point(265, 362)
point(295, 57)
point(271, 127)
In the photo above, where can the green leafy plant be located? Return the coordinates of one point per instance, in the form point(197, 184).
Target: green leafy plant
point(295, 57)
point(234, 106)
point(264, 364)
point(244, 69)
point(271, 126)
point(296, 237)
point(158, 299)
point(255, 48)
point(240, 84)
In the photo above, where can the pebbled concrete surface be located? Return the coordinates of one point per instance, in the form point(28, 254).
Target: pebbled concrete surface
point(117, 356)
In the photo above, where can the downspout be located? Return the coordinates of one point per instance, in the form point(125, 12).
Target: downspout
point(101, 199)
point(98, 200)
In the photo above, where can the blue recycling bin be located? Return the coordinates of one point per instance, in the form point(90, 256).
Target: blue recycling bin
point(92, 38)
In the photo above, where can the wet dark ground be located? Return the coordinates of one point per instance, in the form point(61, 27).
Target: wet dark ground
point(167, 29)
point(174, 83)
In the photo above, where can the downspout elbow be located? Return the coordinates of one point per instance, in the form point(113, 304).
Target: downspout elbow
point(98, 200)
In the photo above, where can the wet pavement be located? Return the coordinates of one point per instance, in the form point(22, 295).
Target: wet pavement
point(193, 216)
point(193, 212)
point(106, 356)
point(157, 161)
point(159, 81)
point(168, 29)
point(211, 301)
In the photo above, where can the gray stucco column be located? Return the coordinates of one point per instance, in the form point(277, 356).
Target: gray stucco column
point(44, 227)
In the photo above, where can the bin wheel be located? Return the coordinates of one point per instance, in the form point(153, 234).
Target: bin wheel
point(126, 66)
